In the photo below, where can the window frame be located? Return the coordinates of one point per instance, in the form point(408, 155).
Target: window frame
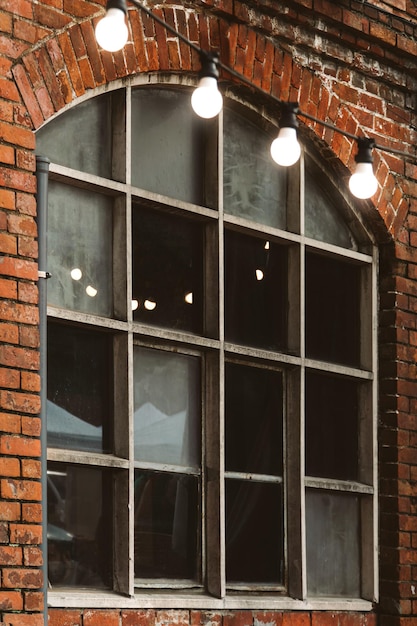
point(216, 350)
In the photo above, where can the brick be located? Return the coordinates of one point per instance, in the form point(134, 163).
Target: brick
point(19, 578)
point(64, 617)
point(11, 555)
point(101, 618)
point(9, 511)
point(20, 489)
point(25, 534)
point(32, 619)
point(11, 601)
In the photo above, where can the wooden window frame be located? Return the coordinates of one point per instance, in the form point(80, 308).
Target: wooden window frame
point(214, 351)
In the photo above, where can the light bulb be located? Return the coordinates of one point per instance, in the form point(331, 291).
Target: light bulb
point(363, 183)
point(135, 305)
point(207, 101)
point(76, 273)
point(91, 291)
point(189, 297)
point(259, 274)
point(111, 30)
point(149, 305)
point(285, 149)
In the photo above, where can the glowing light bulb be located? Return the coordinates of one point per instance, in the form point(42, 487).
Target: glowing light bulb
point(91, 291)
point(363, 183)
point(207, 101)
point(149, 305)
point(111, 30)
point(259, 274)
point(285, 149)
point(135, 305)
point(189, 298)
point(76, 273)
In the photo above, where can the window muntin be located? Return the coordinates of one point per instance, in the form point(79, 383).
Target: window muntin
point(289, 351)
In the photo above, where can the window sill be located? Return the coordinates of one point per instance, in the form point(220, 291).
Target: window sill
point(152, 600)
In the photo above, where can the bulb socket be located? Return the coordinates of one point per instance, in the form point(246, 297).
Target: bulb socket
point(365, 146)
point(117, 4)
point(289, 111)
point(208, 62)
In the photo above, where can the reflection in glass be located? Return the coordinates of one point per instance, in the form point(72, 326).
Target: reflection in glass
point(253, 420)
point(79, 250)
point(166, 132)
point(333, 552)
point(167, 266)
point(79, 535)
point(80, 139)
point(78, 388)
point(332, 310)
point(166, 525)
point(167, 407)
point(323, 219)
point(254, 187)
point(254, 532)
point(255, 310)
point(331, 427)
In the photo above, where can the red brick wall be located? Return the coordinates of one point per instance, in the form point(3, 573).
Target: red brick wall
point(349, 63)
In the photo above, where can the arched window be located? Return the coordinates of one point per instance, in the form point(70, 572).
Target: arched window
point(211, 358)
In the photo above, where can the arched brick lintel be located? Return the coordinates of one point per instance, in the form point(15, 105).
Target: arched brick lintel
point(68, 65)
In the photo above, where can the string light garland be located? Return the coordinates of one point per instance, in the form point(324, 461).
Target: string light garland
point(112, 35)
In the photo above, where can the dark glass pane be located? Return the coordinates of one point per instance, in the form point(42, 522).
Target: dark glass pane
point(256, 291)
point(80, 250)
point(79, 389)
point(167, 270)
point(168, 152)
point(323, 219)
point(253, 186)
point(333, 546)
point(81, 138)
point(254, 532)
point(166, 525)
point(331, 427)
point(254, 401)
point(79, 534)
point(167, 407)
point(332, 310)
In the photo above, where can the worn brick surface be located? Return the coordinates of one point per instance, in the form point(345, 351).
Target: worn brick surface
point(349, 63)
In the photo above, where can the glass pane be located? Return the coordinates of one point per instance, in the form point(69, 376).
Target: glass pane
point(323, 219)
point(167, 270)
point(255, 291)
point(331, 427)
point(79, 534)
point(333, 553)
point(168, 151)
point(332, 310)
point(78, 405)
point(81, 138)
point(167, 407)
point(253, 424)
point(254, 532)
point(166, 525)
point(253, 186)
point(79, 250)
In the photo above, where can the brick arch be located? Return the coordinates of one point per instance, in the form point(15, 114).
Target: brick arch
point(69, 64)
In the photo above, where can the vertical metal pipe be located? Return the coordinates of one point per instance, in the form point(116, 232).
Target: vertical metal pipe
point(42, 173)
